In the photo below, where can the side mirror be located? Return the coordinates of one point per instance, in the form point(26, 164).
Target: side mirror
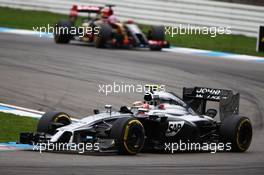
point(108, 108)
point(211, 113)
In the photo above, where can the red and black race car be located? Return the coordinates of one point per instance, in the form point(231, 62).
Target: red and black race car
point(103, 29)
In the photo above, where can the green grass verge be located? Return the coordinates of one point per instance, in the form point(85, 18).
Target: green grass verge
point(27, 19)
point(11, 125)
point(224, 43)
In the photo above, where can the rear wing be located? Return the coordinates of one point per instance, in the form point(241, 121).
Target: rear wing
point(84, 8)
point(197, 98)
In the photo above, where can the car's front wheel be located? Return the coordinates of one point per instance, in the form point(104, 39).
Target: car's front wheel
point(104, 35)
point(62, 33)
point(156, 33)
point(129, 135)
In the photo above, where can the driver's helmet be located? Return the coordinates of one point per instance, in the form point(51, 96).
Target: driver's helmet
point(106, 13)
point(112, 19)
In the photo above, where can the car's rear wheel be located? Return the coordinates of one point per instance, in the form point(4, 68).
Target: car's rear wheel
point(155, 48)
point(129, 135)
point(156, 33)
point(237, 131)
point(62, 34)
point(104, 35)
point(50, 121)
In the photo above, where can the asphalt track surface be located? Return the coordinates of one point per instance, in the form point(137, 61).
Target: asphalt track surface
point(36, 73)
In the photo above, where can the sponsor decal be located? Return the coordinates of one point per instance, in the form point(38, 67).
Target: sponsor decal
point(208, 93)
point(174, 127)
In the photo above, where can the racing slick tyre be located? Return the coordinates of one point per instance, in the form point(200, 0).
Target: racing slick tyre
point(129, 135)
point(50, 121)
point(62, 33)
point(104, 35)
point(236, 130)
point(156, 33)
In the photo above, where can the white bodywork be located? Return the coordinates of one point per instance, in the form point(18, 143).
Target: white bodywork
point(84, 123)
point(178, 110)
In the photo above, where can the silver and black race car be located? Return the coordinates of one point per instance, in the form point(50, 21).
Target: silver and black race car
point(162, 119)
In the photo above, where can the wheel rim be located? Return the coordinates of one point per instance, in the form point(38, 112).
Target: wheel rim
point(134, 137)
point(244, 134)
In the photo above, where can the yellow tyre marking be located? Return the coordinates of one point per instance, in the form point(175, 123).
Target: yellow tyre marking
point(128, 150)
point(126, 135)
point(238, 131)
point(61, 116)
point(135, 121)
point(127, 128)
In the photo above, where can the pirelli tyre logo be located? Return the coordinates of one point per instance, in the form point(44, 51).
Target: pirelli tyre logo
point(174, 127)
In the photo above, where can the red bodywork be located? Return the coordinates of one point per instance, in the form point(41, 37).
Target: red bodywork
point(101, 10)
point(156, 43)
point(84, 8)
